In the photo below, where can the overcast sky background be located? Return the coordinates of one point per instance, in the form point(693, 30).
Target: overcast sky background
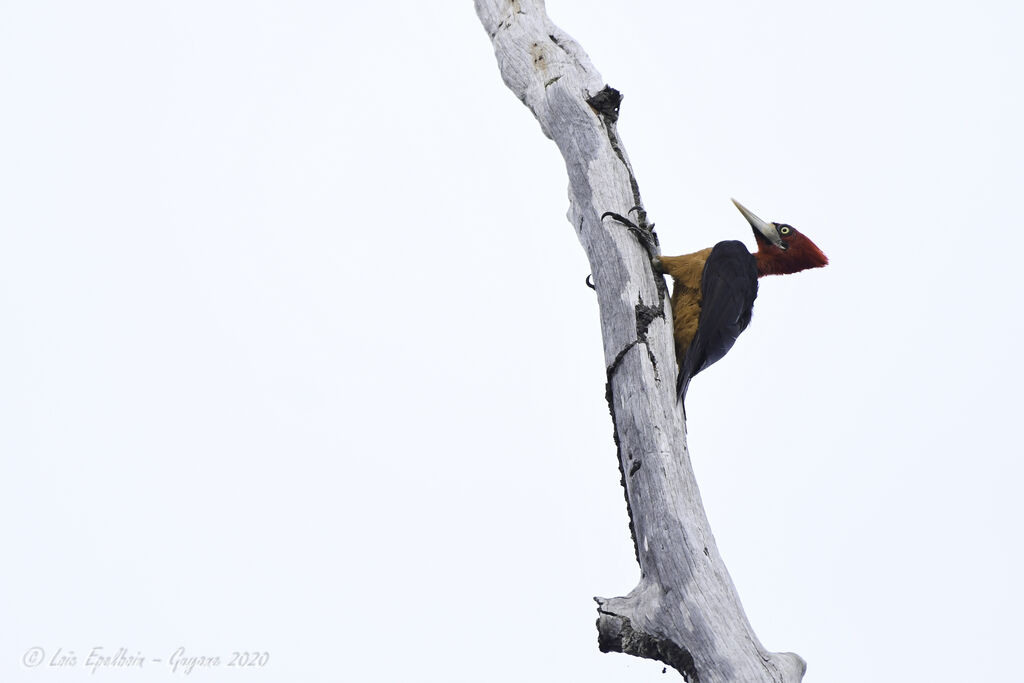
point(297, 356)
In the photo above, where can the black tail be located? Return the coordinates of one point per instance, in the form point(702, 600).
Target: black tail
point(682, 384)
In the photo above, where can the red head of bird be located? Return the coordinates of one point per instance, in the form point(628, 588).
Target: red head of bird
point(780, 248)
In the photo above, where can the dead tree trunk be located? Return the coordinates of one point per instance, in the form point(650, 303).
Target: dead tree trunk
point(685, 611)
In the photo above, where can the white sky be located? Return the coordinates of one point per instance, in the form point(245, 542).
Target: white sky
point(297, 355)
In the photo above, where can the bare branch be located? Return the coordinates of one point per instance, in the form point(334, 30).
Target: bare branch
point(685, 611)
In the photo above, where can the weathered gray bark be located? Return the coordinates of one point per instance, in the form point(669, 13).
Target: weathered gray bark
point(685, 611)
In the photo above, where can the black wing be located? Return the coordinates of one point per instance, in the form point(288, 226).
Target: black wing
point(728, 289)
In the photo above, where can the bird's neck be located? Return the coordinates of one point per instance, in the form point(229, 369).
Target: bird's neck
point(779, 263)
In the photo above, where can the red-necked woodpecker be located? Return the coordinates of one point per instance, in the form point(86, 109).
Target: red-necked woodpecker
point(714, 289)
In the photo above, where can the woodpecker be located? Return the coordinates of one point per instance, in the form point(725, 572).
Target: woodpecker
point(714, 289)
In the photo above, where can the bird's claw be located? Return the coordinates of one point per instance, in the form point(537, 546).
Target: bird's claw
point(621, 219)
point(644, 232)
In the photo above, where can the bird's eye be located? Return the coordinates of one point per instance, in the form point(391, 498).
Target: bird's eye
point(785, 230)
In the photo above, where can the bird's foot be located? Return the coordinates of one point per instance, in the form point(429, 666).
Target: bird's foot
point(642, 230)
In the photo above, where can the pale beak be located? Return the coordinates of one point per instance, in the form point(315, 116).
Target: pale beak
point(768, 230)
